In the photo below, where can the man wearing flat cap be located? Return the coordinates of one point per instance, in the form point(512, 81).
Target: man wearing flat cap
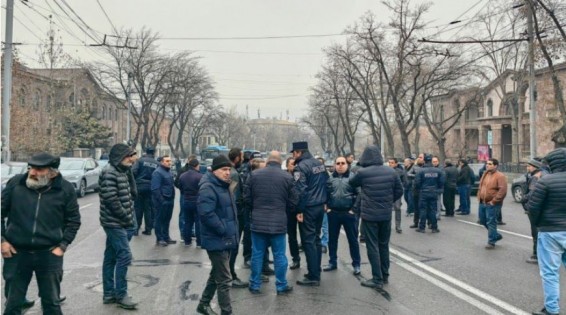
point(534, 173)
point(36, 234)
point(310, 181)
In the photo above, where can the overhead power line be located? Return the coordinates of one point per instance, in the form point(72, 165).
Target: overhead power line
point(107, 17)
point(424, 40)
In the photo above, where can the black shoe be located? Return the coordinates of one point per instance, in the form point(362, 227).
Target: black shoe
point(462, 213)
point(435, 231)
point(264, 278)
point(499, 237)
point(205, 309)
point(254, 291)
point(398, 230)
point(308, 282)
point(386, 280)
point(329, 268)
point(295, 265)
point(357, 271)
point(544, 312)
point(247, 264)
point(288, 289)
point(501, 223)
point(420, 230)
point(267, 271)
point(362, 239)
point(490, 246)
point(146, 232)
point(239, 284)
point(532, 260)
point(136, 233)
point(108, 300)
point(27, 303)
point(171, 242)
point(162, 243)
point(62, 299)
point(127, 303)
point(447, 215)
point(414, 226)
point(371, 284)
point(301, 249)
point(324, 249)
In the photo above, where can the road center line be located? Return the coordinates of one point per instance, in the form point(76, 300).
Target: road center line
point(499, 230)
point(87, 205)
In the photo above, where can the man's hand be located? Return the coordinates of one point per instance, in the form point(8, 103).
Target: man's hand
point(300, 217)
point(8, 250)
point(57, 251)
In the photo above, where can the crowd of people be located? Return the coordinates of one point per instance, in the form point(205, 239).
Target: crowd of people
point(244, 199)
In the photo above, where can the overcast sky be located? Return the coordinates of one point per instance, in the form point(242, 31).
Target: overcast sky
point(272, 75)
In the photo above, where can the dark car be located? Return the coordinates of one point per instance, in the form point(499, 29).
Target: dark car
point(519, 188)
point(10, 169)
point(83, 173)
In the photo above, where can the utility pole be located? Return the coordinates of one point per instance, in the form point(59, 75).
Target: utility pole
point(7, 86)
point(532, 87)
point(129, 98)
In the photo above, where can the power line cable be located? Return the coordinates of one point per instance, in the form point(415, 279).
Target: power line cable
point(107, 17)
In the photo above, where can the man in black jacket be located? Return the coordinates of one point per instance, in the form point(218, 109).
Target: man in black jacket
point(270, 193)
point(449, 195)
point(310, 180)
point(142, 171)
point(464, 184)
point(36, 234)
point(380, 188)
point(163, 197)
point(429, 182)
point(117, 193)
point(546, 209)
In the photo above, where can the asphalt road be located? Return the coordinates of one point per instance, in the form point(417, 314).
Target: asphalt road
point(445, 273)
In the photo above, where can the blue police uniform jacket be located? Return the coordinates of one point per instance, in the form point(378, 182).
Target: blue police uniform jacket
point(310, 180)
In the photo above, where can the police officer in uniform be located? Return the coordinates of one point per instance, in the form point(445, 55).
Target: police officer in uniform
point(142, 170)
point(430, 184)
point(310, 181)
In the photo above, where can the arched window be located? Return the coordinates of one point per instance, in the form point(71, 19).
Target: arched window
point(49, 103)
point(116, 114)
point(472, 111)
point(36, 99)
point(489, 111)
point(84, 99)
point(94, 108)
point(72, 99)
point(103, 111)
point(109, 112)
point(22, 95)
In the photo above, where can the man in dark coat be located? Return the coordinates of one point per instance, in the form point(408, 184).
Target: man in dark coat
point(36, 234)
point(380, 187)
point(117, 216)
point(534, 173)
point(163, 196)
point(430, 183)
point(310, 180)
point(449, 195)
point(142, 170)
point(394, 164)
point(464, 184)
point(219, 232)
point(270, 193)
point(189, 187)
point(546, 209)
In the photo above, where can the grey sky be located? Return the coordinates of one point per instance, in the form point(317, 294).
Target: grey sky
point(272, 75)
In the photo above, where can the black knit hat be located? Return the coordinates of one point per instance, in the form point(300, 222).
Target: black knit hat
point(44, 159)
point(193, 163)
point(220, 162)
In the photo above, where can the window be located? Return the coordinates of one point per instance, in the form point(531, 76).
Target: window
point(36, 99)
point(22, 95)
point(103, 111)
point(116, 114)
point(109, 112)
point(489, 112)
point(84, 99)
point(72, 99)
point(49, 103)
point(94, 109)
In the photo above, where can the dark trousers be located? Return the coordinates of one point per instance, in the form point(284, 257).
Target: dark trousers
point(144, 210)
point(292, 233)
point(408, 196)
point(234, 253)
point(163, 217)
point(247, 237)
point(534, 234)
point(310, 238)
point(464, 192)
point(18, 271)
point(417, 206)
point(218, 281)
point(190, 216)
point(428, 204)
point(182, 218)
point(448, 198)
point(117, 258)
point(377, 243)
point(337, 219)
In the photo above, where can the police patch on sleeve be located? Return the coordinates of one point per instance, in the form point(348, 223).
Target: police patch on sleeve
point(297, 175)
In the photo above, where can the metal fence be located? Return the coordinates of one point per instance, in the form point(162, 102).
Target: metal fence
point(512, 167)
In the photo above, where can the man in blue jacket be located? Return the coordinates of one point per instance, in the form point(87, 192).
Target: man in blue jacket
point(142, 170)
point(219, 232)
point(163, 196)
point(380, 188)
point(430, 183)
point(310, 181)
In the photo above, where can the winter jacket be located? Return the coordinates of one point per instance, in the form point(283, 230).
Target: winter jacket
point(237, 189)
point(380, 186)
point(142, 170)
point(451, 176)
point(39, 219)
point(430, 181)
point(310, 180)
point(217, 212)
point(546, 204)
point(466, 176)
point(341, 196)
point(188, 184)
point(493, 187)
point(180, 172)
point(402, 174)
point(117, 193)
point(411, 175)
point(270, 192)
point(162, 186)
point(532, 179)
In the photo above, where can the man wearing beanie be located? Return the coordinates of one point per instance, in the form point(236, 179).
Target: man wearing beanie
point(219, 233)
point(163, 197)
point(29, 245)
point(534, 173)
point(430, 183)
point(117, 216)
point(142, 170)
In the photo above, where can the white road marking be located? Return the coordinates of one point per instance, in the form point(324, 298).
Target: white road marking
point(87, 205)
point(498, 230)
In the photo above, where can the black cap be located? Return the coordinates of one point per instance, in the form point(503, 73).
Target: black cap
point(150, 150)
point(44, 159)
point(302, 145)
point(428, 157)
point(220, 162)
point(255, 155)
point(193, 163)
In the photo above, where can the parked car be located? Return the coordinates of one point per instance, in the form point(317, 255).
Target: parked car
point(10, 169)
point(83, 173)
point(519, 188)
point(102, 163)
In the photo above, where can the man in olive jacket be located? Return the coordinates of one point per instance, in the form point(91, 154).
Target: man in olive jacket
point(37, 233)
point(117, 216)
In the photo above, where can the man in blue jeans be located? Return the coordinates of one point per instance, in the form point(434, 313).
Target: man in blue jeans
point(163, 197)
point(117, 217)
point(464, 183)
point(492, 191)
point(268, 194)
point(546, 211)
